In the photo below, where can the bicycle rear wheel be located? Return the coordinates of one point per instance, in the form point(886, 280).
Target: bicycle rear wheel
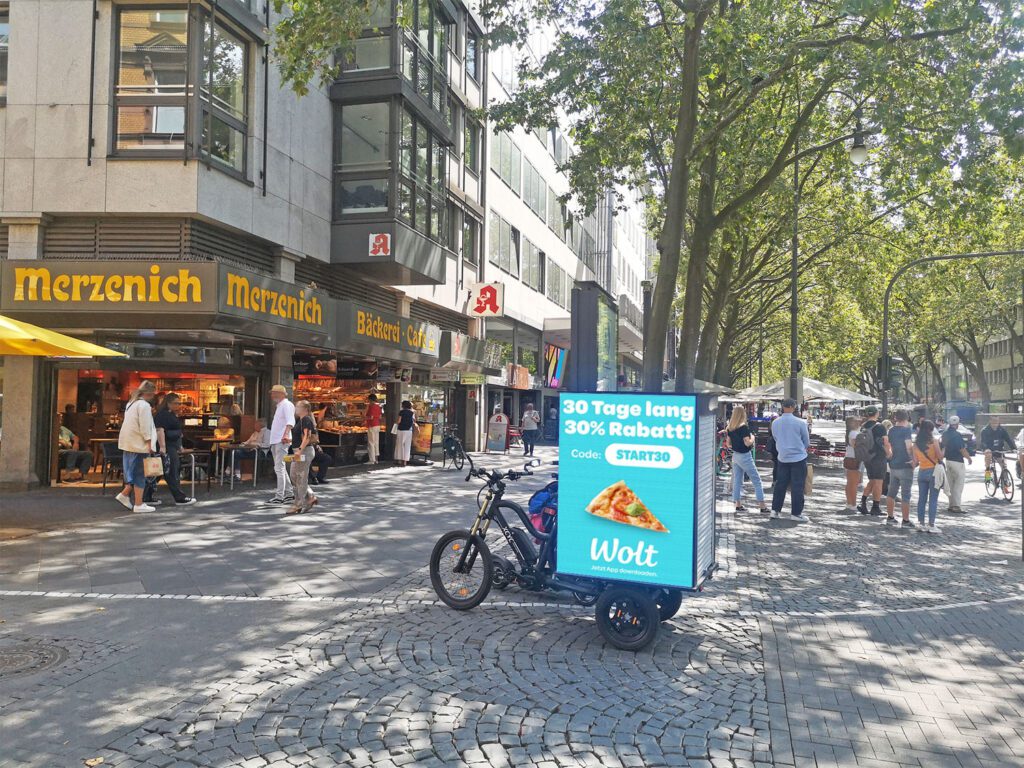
point(461, 570)
point(1006, 484)
point(459, 457)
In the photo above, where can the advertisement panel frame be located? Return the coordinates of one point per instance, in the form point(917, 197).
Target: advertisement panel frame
point(701, 539)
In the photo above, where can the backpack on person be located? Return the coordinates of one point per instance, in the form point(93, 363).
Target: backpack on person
point(864, 445)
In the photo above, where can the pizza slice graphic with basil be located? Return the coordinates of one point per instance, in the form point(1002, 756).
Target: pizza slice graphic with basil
point(619, 504)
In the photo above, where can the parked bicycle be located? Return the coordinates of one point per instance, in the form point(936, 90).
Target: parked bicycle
point(451, 448)
point(463, 570)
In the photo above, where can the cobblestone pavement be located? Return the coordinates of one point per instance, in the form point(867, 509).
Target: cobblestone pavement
point(841, 642)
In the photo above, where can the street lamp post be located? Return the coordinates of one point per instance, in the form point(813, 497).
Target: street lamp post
point(858, 156)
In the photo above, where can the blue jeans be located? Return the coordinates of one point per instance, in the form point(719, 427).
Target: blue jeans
point(926, 492)
point(743, 464)
point(791, 475)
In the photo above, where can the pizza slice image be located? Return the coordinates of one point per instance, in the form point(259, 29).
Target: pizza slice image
point(620, 504)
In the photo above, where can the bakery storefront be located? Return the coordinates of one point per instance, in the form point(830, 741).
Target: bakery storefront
point(204, 330)
point(372, 352)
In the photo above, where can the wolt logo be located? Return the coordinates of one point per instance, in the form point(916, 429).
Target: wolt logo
point(380, 244)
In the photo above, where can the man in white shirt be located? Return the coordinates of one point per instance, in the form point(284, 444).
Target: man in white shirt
point(280, 440)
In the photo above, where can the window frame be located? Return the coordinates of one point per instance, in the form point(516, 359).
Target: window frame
point(5, 18)
point(196, 106)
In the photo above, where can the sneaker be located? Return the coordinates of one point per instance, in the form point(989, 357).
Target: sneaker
point(123, 500)
point(850, 510)
point(274, 501)
point(934, 528)
point(876, 512)
point(143, 508)
point(921, 528)
point(774, 515)
point(890, 520)
point(153, 502)
point(288, 497)
point(907, 524)
point(185, 502)
point(801, 518)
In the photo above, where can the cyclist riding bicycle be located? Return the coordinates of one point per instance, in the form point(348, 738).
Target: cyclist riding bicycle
point(995, 441)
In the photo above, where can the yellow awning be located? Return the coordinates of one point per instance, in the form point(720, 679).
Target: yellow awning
point(18, 338)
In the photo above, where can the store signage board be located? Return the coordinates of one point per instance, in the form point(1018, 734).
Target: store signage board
point(518, 377)
point(497, 436)
point(422, 439)
point(314, 364)
point(473, 379)
point(108, 286)
point(249, 296)
point(380, 244)
point(487, 300)
point(443, 374)
point(364, 324)
point(636, 488)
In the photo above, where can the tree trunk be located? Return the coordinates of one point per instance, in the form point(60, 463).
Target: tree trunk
point(709, 336)
point(933, 363)
point(676, 202)
point(723, 363)
point(696, 274)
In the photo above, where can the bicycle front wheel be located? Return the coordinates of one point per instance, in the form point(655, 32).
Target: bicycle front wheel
point(990, 483)
point(1006, 485)
point(461, 570)
point(459, 458)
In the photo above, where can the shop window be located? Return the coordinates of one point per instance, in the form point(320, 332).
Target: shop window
point(5, 35)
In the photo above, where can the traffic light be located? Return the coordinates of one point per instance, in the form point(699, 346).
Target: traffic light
point(890, 372)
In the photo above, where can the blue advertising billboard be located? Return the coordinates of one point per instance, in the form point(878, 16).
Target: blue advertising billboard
point(633, 501)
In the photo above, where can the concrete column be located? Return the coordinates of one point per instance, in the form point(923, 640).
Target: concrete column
point(25, 425)
point(24, 435)
point(25, 233)
point(284, 267)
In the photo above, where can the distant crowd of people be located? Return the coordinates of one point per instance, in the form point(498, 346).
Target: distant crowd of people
point(881, 460)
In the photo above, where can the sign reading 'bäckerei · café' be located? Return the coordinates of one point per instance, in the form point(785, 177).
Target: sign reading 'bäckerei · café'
point(370, 326)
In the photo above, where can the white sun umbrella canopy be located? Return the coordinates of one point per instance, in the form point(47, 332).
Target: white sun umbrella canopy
point(814, 390)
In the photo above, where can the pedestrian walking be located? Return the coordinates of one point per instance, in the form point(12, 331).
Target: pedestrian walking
point(404, 430)
point(137, 440)
point(372, 422)
point(169, 432)
point(955, 451)
point(854, 469)
point(901, 469)
point(871, 449)
point(741, 441)
point(792, 441)
point(530, 427)
point(304, 439)
point(280, 440)
point(928, 454)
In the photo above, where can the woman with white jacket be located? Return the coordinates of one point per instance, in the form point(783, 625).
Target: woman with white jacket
point(137, 440)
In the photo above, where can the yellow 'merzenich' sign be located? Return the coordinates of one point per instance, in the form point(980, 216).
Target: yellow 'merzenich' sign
point(255, 298)
point(36, 284)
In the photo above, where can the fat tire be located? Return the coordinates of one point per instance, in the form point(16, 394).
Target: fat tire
point(484, 560)
point(669, 602)
point(645, 613)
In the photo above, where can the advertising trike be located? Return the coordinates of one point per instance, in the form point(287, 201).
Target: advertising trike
point(628, 527)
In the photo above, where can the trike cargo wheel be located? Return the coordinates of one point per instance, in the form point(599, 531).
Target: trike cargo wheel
point(584, 598)
point(668, 602)
point(503, 573)
point(627, 618)
point(461, 570)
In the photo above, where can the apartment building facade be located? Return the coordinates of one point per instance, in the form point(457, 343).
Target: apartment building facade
point(163, 195)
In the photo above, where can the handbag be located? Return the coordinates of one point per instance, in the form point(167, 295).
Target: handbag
point(394, 428)
point(851, 463)
point(809, 481)
point(939, 478)
point(152, 466)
